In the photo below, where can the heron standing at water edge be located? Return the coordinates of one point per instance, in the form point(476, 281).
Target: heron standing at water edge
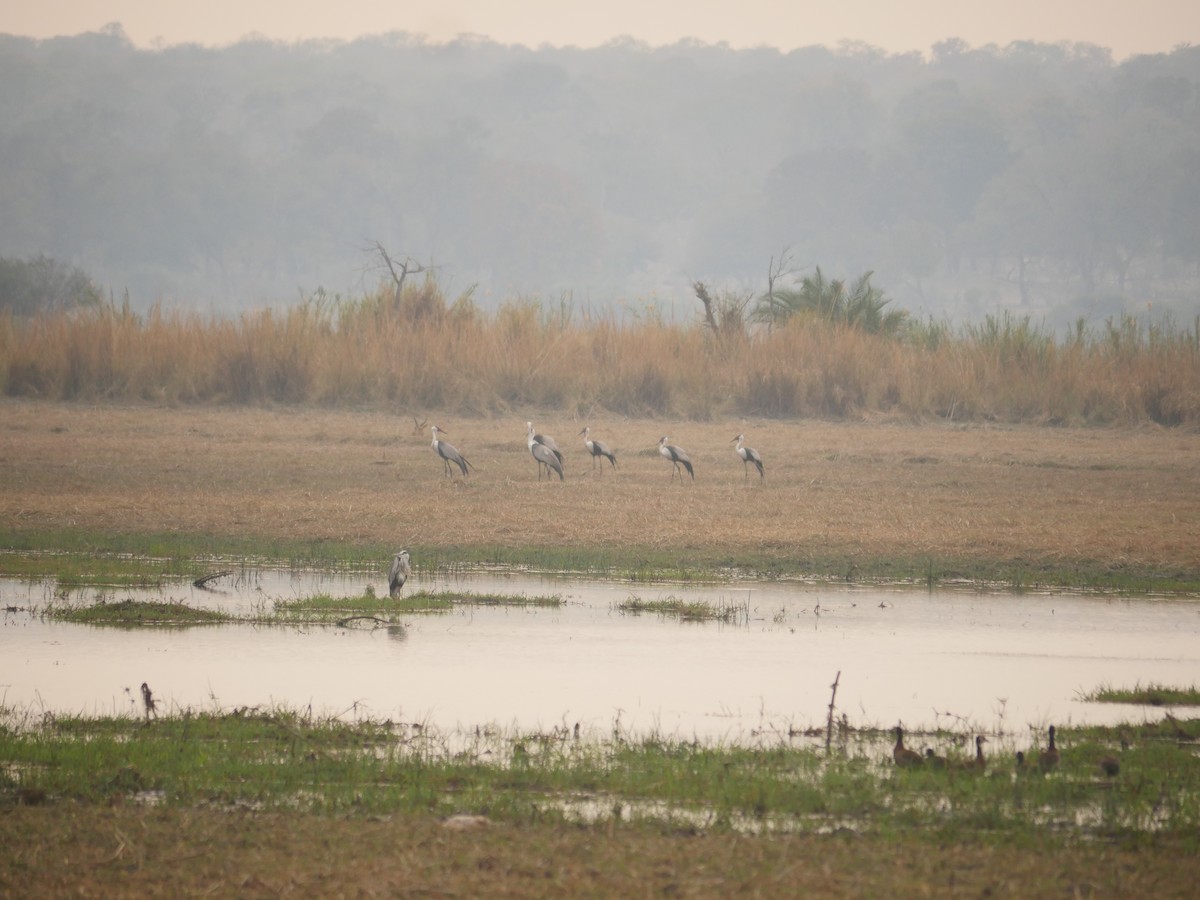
point(448, 453)
point(748, 455)
point(677, 457)
point(399, 573)
point(598, 449)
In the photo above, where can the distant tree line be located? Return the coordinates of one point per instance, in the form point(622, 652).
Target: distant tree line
point(1043, 178)
point(41, 284)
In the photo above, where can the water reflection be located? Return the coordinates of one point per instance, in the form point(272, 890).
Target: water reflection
point(982, 661)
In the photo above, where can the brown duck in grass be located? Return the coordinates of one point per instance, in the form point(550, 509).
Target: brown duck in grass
point(1048, 758)
point(977, 763)
point(901, 755)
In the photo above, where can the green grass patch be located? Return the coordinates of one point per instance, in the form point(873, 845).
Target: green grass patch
point(1149, 695)
point(79, 557)
point(686, 610)
point(320, 609)
point(137, 614)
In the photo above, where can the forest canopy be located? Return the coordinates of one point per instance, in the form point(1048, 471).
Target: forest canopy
point(1043, 179)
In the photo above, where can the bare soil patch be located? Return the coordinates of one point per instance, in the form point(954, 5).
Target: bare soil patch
point(975, 494)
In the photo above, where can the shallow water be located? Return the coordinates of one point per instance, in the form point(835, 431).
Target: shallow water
point(985, 661)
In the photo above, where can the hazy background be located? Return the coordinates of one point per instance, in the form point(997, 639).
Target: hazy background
point(1125, 28)
point(1043, 160)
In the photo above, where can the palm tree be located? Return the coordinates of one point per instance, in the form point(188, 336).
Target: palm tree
point(860, 307)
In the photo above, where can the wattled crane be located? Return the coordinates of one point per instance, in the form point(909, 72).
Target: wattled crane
point(597, 449)
point(399, 573)
point(448, 453)
point(748, 455)
point(544, 454)
point(547, 440)
point(544, 440)
point(677, 457)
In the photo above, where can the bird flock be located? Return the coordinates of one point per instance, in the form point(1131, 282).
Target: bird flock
point(549, 458)
point(1043, 762)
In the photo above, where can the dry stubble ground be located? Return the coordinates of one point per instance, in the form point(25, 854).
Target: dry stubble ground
point(969, 497)
point(979, 494)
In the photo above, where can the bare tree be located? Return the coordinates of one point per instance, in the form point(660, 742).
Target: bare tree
point(776, 269)
point(398, 270)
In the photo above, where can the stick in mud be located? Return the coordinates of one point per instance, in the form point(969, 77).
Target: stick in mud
point(829, 721)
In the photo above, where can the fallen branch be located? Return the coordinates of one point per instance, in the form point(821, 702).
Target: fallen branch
point(203, 581)
point(343, 622)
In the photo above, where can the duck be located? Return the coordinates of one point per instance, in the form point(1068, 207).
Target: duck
point(932, 759)
point(978, 762)
point(1048, 758)
point(901, 755)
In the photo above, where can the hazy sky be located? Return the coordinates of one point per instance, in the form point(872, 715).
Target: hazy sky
point(1124, 26)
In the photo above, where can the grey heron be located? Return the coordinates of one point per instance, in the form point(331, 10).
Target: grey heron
point(448, 453)
point(544, 454)
point(748, 455)
point(597, 449)
point(677, 457)
point(398, 574)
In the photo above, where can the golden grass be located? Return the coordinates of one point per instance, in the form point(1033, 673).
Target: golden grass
point(423, 355)
point(1114, 499)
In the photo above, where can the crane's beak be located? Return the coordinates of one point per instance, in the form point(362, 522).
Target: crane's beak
point(582, 432)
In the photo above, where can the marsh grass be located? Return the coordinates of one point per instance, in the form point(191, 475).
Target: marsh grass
point(137, 614)
point(374, 352)
point(319, 609)
point(82, 567)
point(687, 610)
point(282, 759)
point(322, 606)
point(1149, 695)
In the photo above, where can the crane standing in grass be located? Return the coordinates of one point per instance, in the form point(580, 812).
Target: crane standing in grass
point(748, 455)
point(548, 442)
point(399, 573)
point(544, 454)
point(677, 457)
point(448, 453)
point(598, 449)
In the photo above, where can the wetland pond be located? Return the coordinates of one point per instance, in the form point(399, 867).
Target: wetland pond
point(955, 659)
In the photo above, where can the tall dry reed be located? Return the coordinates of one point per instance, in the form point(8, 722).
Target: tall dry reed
point(419, 353)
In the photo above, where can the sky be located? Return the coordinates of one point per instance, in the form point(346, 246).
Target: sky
point(897, 26)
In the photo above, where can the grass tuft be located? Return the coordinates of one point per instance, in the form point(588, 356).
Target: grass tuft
point(1149, 695)
point(686, 610)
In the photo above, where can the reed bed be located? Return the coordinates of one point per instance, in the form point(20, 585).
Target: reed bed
point(421, 353)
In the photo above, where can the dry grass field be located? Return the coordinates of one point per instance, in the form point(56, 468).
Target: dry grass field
point(127, 852)
point(966, 499)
